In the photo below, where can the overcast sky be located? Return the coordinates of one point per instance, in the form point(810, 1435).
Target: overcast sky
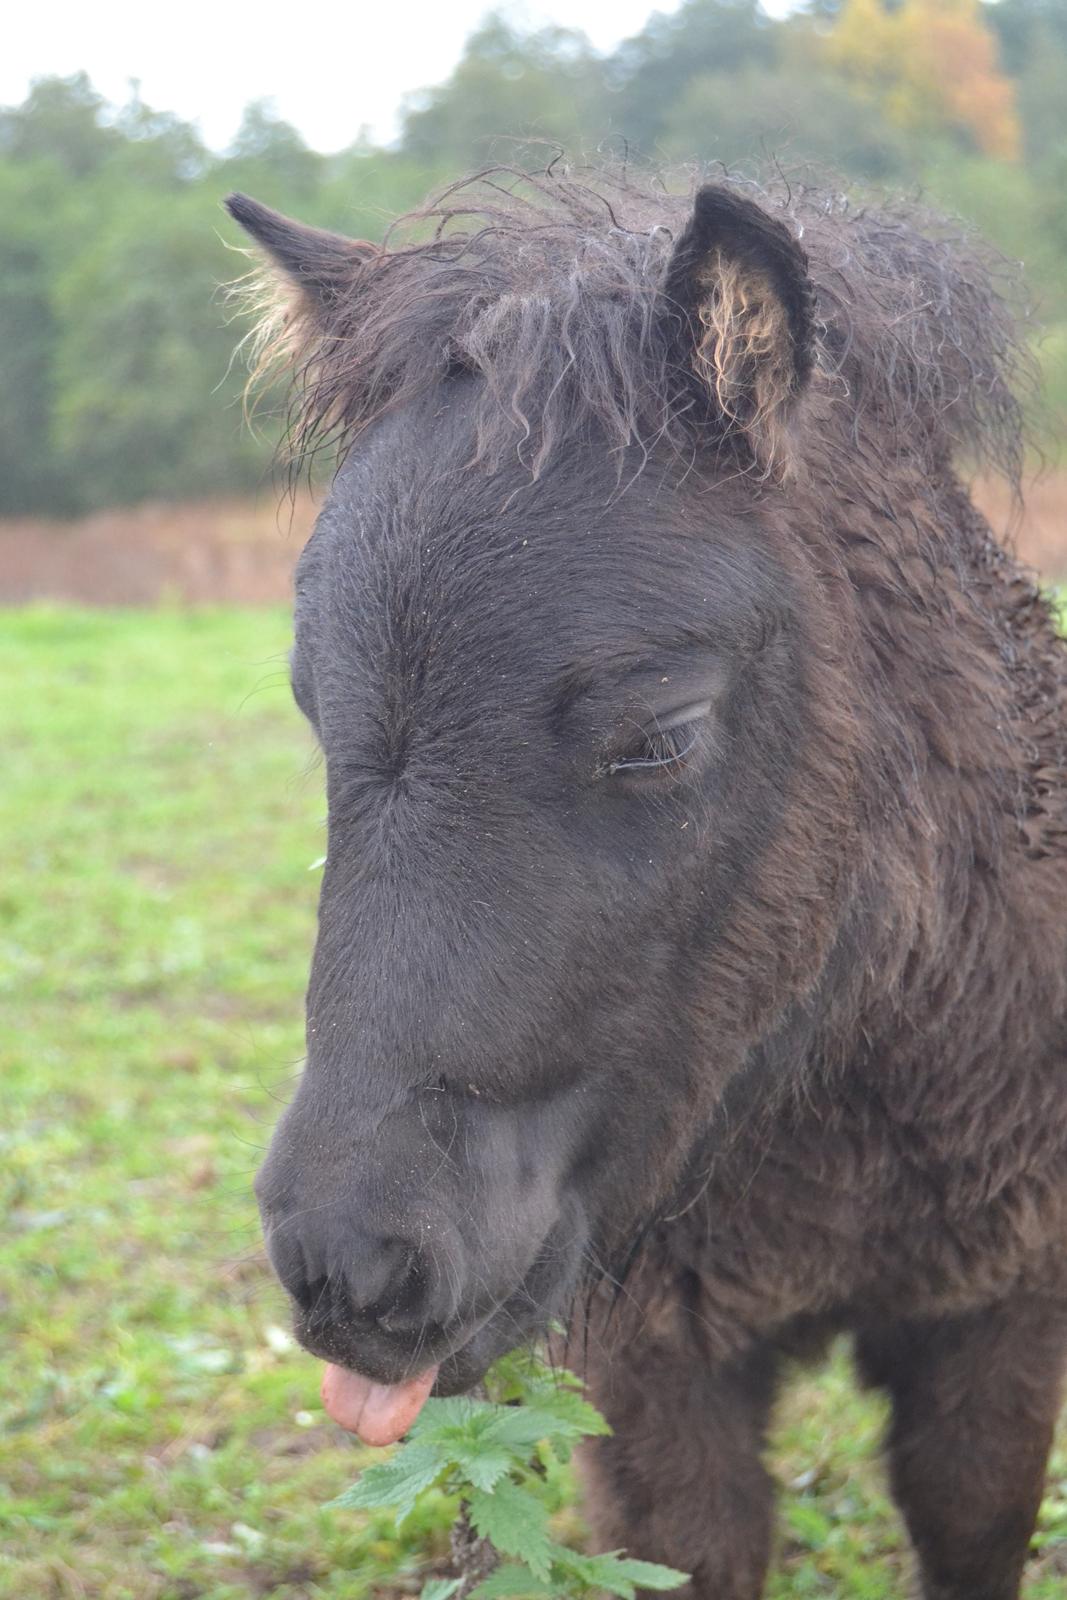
point(330, 68)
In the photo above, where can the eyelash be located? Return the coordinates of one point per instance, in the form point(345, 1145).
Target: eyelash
point(659, 751)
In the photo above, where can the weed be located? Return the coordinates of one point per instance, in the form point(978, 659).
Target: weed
point(495, 1459)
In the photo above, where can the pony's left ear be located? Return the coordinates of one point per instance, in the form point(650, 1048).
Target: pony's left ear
point(742, 303)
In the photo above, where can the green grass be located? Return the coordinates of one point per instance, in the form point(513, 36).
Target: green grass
point(160, 811)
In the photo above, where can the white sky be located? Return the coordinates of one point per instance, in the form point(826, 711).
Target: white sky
point(330, 68)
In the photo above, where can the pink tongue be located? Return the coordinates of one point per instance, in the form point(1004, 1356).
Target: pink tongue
point(380, 1413)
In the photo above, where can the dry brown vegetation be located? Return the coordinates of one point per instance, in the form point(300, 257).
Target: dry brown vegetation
point(233, 551)
point(225, 551)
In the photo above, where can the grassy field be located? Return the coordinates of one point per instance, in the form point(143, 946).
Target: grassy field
point(162, 1437)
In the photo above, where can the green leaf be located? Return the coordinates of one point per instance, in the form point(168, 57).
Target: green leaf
point(521, 1427)
point(599, 1572)
point(526, 1376)
point(570, 1407)
point(397, 1482)
point(440, 1588)
point(555, 1417)
point(616, 1573)
point(458, 1413)
point(464, 1433)
point(650, 1574)
point(484, 1468)
point(552, 1390)
point(514, 1522)
point(511, 1582)
point(548, 1416)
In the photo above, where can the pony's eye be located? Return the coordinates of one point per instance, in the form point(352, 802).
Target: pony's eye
point(657, 750)
point(664, 747)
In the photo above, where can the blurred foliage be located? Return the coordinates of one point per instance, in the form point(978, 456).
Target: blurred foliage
point(114, 341)
point(929, 68)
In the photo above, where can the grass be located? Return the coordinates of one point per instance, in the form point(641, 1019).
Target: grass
point(162, 1437)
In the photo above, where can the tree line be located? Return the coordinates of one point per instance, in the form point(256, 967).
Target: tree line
point(115, 344)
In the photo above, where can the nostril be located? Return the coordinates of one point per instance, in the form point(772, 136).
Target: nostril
point(348, 1278)
point(382, 1282)
point(310, 1294)
point(376, 1271)
point(408, 1302)
point(289, 1262)
point(429, 1289)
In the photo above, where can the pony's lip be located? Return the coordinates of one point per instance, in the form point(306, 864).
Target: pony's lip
point(386, 1357)
point(381, 1413)
point(461, 1355)
point(466, 1367)
point(463, 1351)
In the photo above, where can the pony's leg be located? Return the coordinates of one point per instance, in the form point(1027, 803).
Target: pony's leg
point(974, 1405)
point(680, 1480)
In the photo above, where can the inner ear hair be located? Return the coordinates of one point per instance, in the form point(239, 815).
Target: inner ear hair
point(302, 302)
point(740, 278)
point(744, 348)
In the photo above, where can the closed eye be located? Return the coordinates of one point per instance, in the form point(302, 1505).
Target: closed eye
point(664, 747)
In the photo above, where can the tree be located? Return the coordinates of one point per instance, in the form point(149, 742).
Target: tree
point(932, 67)
point(113, 343)
point(144, 405)
point(268, 158)
point(33, 237)
point(950, 57)
point(807, 120)
point(650, 73)
point(156, 147)
point(1023, 26)
point(542, 86)
point(62, 120)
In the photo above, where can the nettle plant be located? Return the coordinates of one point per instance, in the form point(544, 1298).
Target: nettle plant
point(500, 1457)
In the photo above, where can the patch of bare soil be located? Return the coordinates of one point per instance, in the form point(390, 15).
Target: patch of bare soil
point(233, 551)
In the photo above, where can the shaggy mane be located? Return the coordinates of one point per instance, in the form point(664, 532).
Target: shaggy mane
point(550, 287)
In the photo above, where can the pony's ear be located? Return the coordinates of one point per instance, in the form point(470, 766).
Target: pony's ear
point(319, 265)
point(742, 302)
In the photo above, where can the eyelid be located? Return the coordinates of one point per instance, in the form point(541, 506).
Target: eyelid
point(682, 717)
point(675, 719)
point(636, 762)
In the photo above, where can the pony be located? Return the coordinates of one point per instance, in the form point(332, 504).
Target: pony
point(692, 945)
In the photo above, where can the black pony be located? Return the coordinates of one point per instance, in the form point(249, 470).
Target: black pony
point(693, 930)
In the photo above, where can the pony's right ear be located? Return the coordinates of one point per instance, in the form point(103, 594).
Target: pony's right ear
point(319, 265)
point(742, 305)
